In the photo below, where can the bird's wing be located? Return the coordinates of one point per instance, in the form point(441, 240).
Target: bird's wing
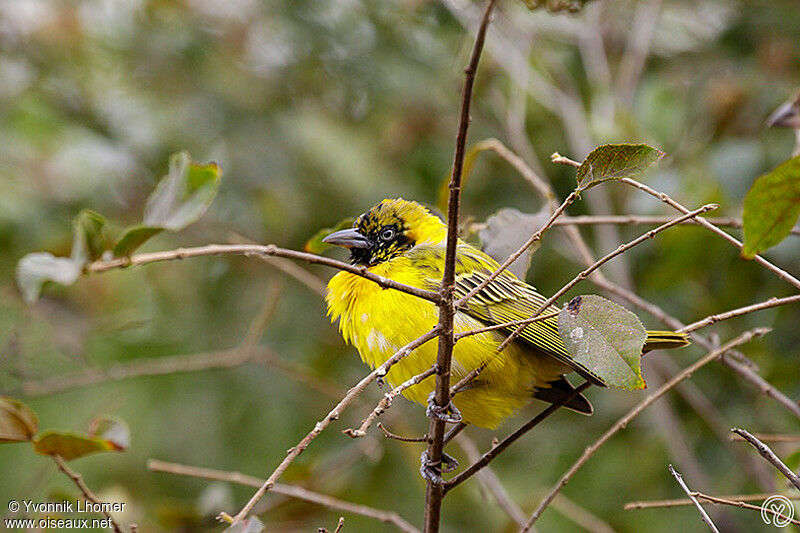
point(506, 299)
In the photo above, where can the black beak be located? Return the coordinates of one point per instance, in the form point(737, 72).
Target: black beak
point(348, 238)
point(786, 115)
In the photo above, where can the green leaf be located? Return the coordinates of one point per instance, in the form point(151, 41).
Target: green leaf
point(18, 422)
point(315, 245)
point(35, 269)
point(555, 6)
point(133, 238)
point(88, 243)
point(614, 161)
point(248, 525)
point(506, 231)
point(105, 434)
point(183, 195)
point(771, 208)
point(179, 199)
point(469, 162)
point(606, 338)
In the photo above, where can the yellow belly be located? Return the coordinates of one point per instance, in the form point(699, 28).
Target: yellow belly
point(378, 322)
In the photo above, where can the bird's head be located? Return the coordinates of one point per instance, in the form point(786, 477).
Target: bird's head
point(787, 115)
point(388, 230)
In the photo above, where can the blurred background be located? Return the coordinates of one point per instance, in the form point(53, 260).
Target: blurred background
point(315, 111)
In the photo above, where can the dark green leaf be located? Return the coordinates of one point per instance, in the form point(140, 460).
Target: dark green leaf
point(35, 269)
point(315, 244)
point(88, 243)
point(606, 338)
point(771, 208)
point(183, 195)
point(614, 161)
point(506, 231)
point(72, 445)
point(18, 423)
point(133, 238)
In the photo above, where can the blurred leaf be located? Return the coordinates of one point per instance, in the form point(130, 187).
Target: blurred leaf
point(35, 269)
point(133, 238)
point(554, 6)
point(614, 161)
point(183, 195)
point(180, 198)
point(771, 208)
point(248, 525)
point(315, 245)
point(506, 231)
point(71, 445)
point(606, 338)
point(112, 430)
point(18, 423)
point(469, 161)
point(88, 243)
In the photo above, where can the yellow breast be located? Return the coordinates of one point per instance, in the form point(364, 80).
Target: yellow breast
point(379, 321)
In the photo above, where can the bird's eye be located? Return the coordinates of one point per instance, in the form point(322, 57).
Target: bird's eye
point(387, 234)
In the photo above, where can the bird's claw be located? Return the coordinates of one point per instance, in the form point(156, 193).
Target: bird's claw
point(448, 413)
point(432, 470)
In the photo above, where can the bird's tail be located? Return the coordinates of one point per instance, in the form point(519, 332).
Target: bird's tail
point(664, 340)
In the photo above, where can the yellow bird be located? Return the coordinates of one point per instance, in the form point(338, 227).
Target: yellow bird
point(403, 241)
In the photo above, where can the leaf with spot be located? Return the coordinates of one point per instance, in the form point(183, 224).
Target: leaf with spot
point(506, 231)
point(105, 434)
point(18, 422)
point(615, 161)
point(315, 245)
point(606, 338)
point(771, 208)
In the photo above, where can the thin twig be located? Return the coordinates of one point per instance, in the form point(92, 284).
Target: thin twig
point(389, 435)
point(734, 501)
point(585, 273)
point(637, 220)
point(680, 502)
point(513, 257)
point(782, 274)
point(292, 491)
point(256, 250)
point(85, 490)
point(330, 417)
point(688, 491)
point(769, 437)
point(489, 456)
point(634, 412)
point(386, 402)
point(713, 319)
point(767, 453)
point(434, 491)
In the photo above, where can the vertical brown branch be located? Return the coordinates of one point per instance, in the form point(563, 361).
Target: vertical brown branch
point(435, 492)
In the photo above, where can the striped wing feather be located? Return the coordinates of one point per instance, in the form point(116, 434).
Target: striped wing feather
point(506, 299)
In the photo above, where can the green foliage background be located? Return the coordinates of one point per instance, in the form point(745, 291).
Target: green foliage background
point(315, 111)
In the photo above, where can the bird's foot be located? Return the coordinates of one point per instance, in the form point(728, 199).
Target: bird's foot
point(448, 413)
point(432, 470)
